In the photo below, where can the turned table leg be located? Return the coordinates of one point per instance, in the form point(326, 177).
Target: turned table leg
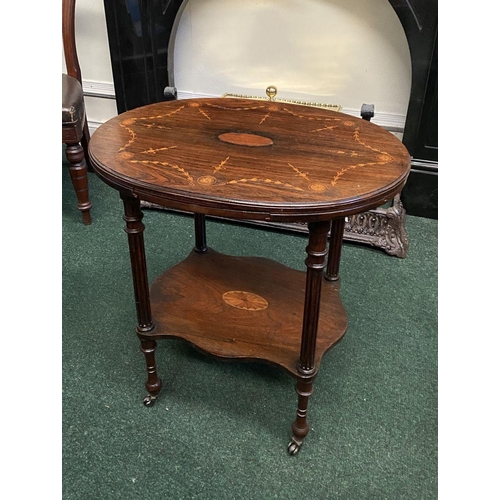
point(336, 236)
point(135, 229)
point(306, 370)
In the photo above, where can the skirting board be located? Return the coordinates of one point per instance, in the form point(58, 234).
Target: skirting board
point(93, 126)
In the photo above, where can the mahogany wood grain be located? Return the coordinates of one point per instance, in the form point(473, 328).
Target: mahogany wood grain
point(321, 164)
point(187, 302)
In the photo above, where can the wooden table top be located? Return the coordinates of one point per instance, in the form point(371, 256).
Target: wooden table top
point(250, 159)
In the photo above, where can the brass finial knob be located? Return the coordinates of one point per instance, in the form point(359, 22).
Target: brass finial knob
point(271, 92)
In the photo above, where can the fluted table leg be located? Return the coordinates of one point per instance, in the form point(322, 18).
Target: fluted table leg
point(306, 370)
point(135, 229)
point(336, 236)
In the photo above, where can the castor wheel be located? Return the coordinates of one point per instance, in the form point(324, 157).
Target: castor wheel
point(293, 447)
point(149, 400)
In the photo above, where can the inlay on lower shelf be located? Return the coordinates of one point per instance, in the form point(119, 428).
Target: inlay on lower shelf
point(254, 161)
point(242, 307)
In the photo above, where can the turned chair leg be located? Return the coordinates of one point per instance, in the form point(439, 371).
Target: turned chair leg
point(78, 172)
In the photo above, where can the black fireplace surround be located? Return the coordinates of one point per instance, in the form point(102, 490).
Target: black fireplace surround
point(141, 35)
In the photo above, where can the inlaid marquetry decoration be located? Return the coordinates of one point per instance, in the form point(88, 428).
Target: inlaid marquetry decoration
point(242, 139)
point(245, 300)
point(267, 150)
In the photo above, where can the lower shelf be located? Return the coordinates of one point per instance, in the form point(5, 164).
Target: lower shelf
point(242, 308)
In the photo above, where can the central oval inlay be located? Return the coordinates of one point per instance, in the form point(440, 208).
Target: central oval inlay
point(243, 139)
point(245, 300)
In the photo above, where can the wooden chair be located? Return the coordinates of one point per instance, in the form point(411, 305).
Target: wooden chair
point(75, 132)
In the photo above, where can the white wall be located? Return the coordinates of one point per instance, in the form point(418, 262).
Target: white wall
point(333, 51)
point(95, 62)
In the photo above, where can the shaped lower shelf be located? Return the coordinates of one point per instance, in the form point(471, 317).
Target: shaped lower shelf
point(242, 308)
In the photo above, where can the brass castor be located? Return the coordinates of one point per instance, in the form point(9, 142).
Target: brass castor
point(294, 447)
point(149, 400)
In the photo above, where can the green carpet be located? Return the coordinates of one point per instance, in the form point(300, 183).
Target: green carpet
point(219, 430)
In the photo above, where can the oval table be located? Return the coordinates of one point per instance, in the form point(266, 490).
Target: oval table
point(253, 160)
